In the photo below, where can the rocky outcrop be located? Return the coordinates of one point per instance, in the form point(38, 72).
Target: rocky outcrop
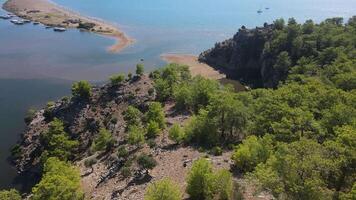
point(82, 119)
point(241, 57)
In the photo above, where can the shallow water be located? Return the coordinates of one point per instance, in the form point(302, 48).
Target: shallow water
point(160, 26)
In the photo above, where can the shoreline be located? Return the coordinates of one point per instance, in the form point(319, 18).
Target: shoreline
point(195, 67)
point(202, 69)
point(51, 14)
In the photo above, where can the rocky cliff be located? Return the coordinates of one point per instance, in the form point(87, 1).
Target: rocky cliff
point(241, 57)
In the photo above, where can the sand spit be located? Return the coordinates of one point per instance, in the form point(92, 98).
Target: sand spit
point(51, 14)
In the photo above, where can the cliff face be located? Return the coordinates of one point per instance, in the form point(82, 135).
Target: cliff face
point(241, 57)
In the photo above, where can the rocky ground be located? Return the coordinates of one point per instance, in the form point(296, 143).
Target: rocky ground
point(104, 178)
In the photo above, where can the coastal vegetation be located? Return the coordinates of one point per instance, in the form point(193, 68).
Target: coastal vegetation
point(294, 138)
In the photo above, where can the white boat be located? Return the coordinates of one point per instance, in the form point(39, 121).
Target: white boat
point(5, 17)
point(26, 21)
point(259, 11)
point(36, 23)
point(17, 22)
point(59, 29)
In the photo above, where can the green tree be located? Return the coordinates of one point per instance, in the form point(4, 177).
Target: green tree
point(198, 179)
point(117, 79)
point(136, 135)
point(81, 89)
point(252, 152)
point(153, 129)
point(164, 189)
point(60, 181)
point(296, 171)
point(132, 116)
point(220, 186)
point(57, 142)
point(155, 113)
point(104, 140)
point(176, 133)
point(146, 162)
point(10, 195)
point(139, 69)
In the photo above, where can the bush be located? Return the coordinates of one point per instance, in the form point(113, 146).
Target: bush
point(139, 69)
point(104, 141)
point(57, 142)
point(216, 151)
point(155, 114)
point(31, 113)
point(136, 135)
point(176, 133)
point(126, 171)
point(132, 116)
point(146, 161)
point(204, 184)
point(117, 79)
point(129, 75)
point(10, 195)
point(251, 152)
point(16, 151)
point(151, 143)
point(48, 110)
point(81, 89)
point(163, 190)
point(60, 180)
point(153, 129)
point(122, 152)
point(198, 179)
point(220, 185)
point(90, 162)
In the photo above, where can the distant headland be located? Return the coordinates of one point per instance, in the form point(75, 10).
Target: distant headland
point(53, 15)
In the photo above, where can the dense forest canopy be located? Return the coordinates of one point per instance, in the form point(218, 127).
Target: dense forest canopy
point(286, 51)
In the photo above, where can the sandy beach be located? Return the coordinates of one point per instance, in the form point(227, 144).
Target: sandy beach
point(51, 14)
point(196, 67)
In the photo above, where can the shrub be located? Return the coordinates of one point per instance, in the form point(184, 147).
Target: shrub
point(204, 184)
point(104, 141)
point(163, 190)
point(16, 151)
point(81, 89)
point(132, 116)
point(122, 152)
point(57, 142)
point(31, 113)
point(90, 162)
point(139, 69)
point(136, 135)
point(117, 79)
point(176, 133)
point(220, 185)
point(198, 179)
point(129, 75)
point(60, 180)
point(216, 151)
point(126, 171)
point(251, 152)
point(151, 143)
point(48, 110)
point(153, 129)
point(10, 195)
point(155, 114)
point(146, 161)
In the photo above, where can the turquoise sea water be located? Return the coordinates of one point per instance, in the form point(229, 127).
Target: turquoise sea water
point(32, 58)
